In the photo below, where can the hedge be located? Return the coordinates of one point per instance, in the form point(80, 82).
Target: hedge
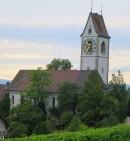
point(115, 133)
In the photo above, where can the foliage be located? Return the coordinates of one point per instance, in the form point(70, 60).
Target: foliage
point(37, 92)
point(90, 99)
point(17, 129)
point(117, 89)
point(68, 95)
point(111, 120)
point(44, 127)
point(5, 106)
point(59, 64)
point(76, 125)
point(128, 106)
point(66, 118)
point(116, 133)
point(109, 106)
point(54, 112)
point(96, 105)
point(23, 119)
point(31, 116)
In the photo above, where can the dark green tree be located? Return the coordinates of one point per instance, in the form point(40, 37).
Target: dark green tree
point(109, 105)
point(68, 96)
point(90, 99)
point(117, 89)
point(5, 106)
point(95, 105)
point(65, 119)
point(24, 119)
point(128, 106)
point(30, 117)
point(37, 92)
point(109, 111)
point(59, 64)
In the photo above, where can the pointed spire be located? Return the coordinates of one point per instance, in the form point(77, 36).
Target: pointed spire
point(91, 6)
point(101, 8)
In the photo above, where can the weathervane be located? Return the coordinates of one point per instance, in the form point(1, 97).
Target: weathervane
point(91, 6)
point(101, 9)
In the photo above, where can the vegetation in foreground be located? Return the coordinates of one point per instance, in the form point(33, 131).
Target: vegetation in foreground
point(115, 133)
point(77, 109)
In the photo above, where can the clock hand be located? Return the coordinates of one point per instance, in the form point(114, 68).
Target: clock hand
point(88, 45)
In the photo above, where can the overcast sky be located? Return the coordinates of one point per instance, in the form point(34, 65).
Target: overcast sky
point(33, 32)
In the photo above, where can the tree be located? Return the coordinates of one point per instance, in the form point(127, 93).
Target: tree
point(5, 106)
point(30, 117)
point(109, 106)
point(24, 119)
point(109, 111)
point(117, 89)
point(128, 106)
point(68, 95)
point(95, 105)
point(37, 92)
point(92, 94)
point(65, 119)
point(59, 64)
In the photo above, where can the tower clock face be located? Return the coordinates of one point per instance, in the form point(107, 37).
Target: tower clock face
point(89, 46)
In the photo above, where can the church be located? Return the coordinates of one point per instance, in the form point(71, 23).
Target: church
point(94, 56)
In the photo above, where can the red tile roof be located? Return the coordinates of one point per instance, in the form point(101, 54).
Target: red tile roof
point(21, 80)
point(2, 91)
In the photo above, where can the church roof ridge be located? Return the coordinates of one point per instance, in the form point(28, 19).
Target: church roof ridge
point(21, 80)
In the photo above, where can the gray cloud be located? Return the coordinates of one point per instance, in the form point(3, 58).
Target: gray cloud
point(122, 69)
point(67, 35)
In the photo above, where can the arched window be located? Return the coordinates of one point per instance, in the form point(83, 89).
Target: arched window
point(103, 48)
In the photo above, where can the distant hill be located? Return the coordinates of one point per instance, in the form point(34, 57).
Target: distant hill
point(128, 85)
point(3, 81)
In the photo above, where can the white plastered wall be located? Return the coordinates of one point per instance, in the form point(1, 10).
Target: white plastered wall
point(88, 60)
point(17, 98)
point(50, 99)
point(103, 59)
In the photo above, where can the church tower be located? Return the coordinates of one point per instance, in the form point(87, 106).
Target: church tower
point(95, 46)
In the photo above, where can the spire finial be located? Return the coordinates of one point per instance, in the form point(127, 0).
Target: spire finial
point(101, 8)
point(91, 6)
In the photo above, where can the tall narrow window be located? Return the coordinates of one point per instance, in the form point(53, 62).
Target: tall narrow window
point(102, 70)
point(103, 48)
point(53, 102)
point(88, 68)
point(89, 31)
point(12, 99)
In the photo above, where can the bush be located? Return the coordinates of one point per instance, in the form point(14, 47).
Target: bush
point(65, 119)
point(76, 125)
point(116, 133)
point(109, 121)
point(44, 127)
point(17, 129)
